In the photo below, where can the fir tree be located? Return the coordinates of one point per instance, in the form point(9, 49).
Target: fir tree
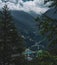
point(11, 44)
point(48, 28)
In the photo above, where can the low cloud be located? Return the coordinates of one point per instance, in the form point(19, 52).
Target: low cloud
point(35, 6)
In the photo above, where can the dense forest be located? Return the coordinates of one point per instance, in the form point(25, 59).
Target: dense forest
point(13, 50)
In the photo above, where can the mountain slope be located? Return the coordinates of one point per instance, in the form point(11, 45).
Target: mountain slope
point(52, 13)
point(26, 24)
point(24, 19)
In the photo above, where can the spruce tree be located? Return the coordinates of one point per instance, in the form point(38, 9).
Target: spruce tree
point(11, 44)
point(48, 28)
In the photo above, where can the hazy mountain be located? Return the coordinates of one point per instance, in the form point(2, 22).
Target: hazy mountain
point(33, 7)
point(26, 24)
point(25, 19)
point(52, 13)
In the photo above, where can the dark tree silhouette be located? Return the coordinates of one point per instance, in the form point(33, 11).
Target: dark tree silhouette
point(11, 44)
point(48, 28)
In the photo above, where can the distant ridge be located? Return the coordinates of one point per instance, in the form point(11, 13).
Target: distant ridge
point(52, 13)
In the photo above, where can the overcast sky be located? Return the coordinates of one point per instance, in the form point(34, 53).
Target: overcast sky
point(35, 6)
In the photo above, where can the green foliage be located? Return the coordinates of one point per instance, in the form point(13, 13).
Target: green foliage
point(11, 44)
point(48, 28)
point(45, 58)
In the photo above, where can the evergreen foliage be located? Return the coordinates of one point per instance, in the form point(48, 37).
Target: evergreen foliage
point(48, 28)
point(45, 58)
point(11, 44)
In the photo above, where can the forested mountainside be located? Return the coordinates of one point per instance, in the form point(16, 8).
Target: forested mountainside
point(28, 32)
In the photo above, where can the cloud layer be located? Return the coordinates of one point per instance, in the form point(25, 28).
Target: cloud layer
point(32, 7)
